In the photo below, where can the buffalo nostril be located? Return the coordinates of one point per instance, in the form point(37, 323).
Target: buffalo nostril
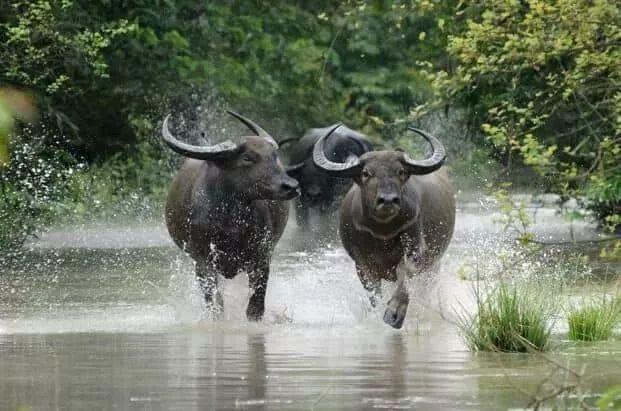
point(388, 200)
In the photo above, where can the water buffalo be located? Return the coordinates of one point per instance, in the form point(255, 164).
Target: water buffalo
point(399, 214)
point(321, 191)
point(226, 208)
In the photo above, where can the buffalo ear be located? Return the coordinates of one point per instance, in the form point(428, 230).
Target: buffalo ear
point(358, 177)
point(357, 174)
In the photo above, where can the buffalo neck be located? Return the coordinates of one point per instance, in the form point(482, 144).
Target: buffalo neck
point(363, 221)
point(222, 194)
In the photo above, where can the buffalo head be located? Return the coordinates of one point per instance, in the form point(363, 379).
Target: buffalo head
point(251, 169)
point(381, 175)
point(319, 189)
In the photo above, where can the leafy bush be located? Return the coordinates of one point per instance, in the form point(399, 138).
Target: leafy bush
point(595, 321)
point(543, 81)
point(103, 74)
point(44, 185)
point(131, 185)
point(611, 399)
point(98, 69)
point(509, 319)
point(34, 181)
point(57, 51)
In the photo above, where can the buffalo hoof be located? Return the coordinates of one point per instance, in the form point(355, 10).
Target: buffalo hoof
point(254, 314)
point(395, 314)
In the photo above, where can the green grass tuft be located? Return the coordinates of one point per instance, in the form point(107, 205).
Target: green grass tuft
point(594, 322)
point(509, 319)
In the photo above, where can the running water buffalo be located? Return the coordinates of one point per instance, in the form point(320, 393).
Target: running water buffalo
point(226, 208)
point(319, 190)
point(399, 214)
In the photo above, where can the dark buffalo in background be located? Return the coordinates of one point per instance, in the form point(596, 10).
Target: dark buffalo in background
point(397, 218)
point(321, 191)
point(227, 209)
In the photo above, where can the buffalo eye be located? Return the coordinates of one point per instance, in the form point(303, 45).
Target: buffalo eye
point(366, 174)
point(247, 160)
point(402, 173)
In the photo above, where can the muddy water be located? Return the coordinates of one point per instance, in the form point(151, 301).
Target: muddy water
point(108, 316)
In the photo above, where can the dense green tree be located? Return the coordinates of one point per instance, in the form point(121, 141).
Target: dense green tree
point(104, 73)
point(543, 80)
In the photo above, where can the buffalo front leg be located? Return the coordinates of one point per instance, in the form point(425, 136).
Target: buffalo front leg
point(415, 249)
point(398, 304)
point(257, 280)
point(371, 283)
point(207, 275)
point(301, 214)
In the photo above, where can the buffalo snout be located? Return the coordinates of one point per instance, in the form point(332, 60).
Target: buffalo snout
point(387, 204)
point(314, 191)
point(289, 188)
point(313, 195)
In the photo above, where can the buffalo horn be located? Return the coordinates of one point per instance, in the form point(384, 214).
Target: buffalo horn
point(350, 168)
point(197, 152)
point(254, 127)
point(428, 165)
point(294, 167)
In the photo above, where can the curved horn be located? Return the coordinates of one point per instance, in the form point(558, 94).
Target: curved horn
point(254, 127)
point(294, 167)
point(197, 152)
point(350, 168)
point(428, 165)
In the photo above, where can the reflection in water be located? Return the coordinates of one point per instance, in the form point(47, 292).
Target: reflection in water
point(108, 328)
point(398, 363)
point(396, 396)
point(257, 372)
point(282, 368)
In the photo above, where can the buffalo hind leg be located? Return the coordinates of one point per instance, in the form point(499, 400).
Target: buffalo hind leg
point(257, 280)
point(398, 304)
point(371, 283)
point(207, 275)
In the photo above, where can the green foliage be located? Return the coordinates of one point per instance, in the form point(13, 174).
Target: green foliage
point(98, 69)
point(56, 50)
point(44, 185)
point(543, 81)
point(594, 321)
point(133, 185)
point(30, 187)
point(509, 319)
point(513, 215)
point(611, 400)
point(42, 57)
point(103, 74)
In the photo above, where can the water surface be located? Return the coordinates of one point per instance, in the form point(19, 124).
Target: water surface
point(108, 316)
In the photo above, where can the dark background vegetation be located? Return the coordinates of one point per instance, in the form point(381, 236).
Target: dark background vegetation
point(513, 88)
